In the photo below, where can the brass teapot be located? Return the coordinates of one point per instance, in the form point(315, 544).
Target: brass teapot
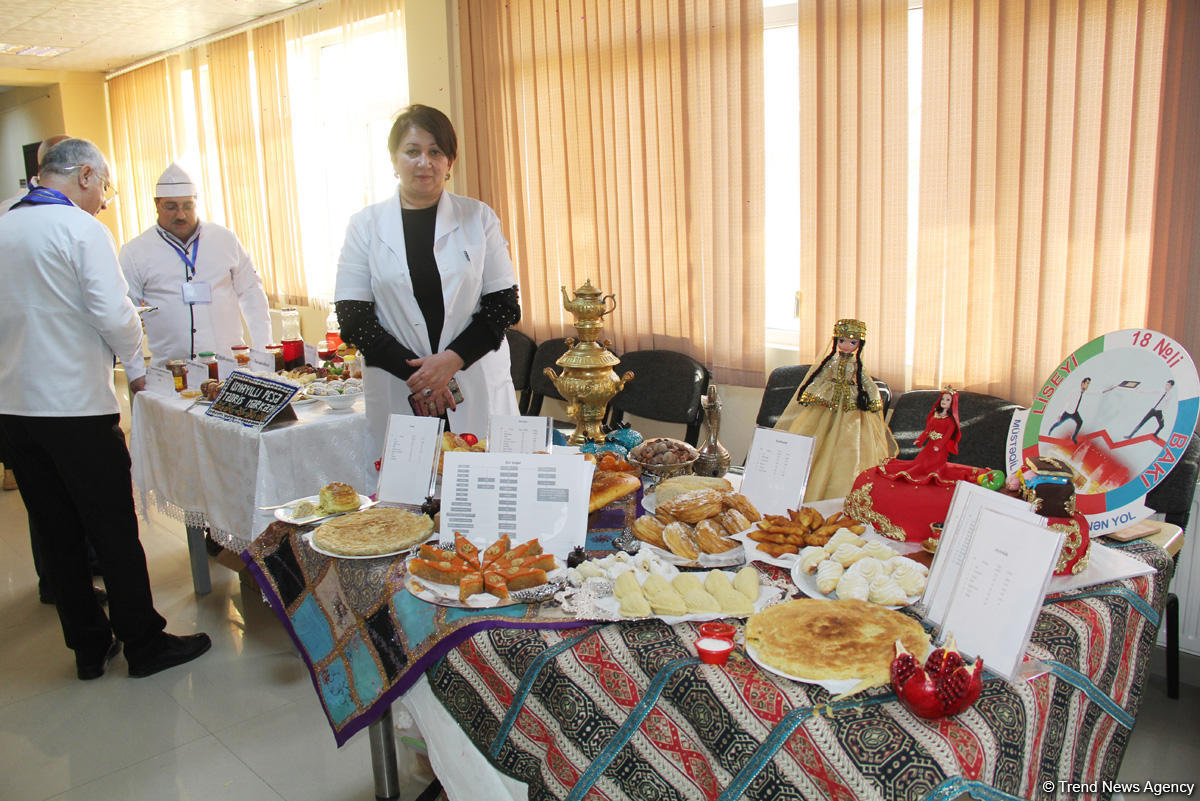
point(587, 380)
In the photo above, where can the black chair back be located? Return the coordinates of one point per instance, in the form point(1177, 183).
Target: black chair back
point(984, 418)
point(781, 388)
point(540, 387)
point(520, 350)
point(1173, 495)
point(667, 386)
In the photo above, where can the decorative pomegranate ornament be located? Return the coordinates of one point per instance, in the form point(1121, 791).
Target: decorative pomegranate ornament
point(944, 686)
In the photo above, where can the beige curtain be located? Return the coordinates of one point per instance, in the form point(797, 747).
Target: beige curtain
point(1174, 291)
point(853, 174)
point(240, 130)
point(622, 142)
point(144, 140)
point(1039, 143)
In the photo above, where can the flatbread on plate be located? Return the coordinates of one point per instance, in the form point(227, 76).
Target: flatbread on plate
point(373, 531)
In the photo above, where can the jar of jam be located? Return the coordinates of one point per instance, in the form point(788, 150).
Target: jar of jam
point(178, 368)
point(241, 353)
point(208, 358)
point(276, 350)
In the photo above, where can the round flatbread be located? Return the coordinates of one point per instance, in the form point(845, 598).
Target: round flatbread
point(373, 531)
point(822, 639)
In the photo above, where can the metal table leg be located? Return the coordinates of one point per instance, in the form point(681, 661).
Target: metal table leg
point(383, 758)
point(198, 554)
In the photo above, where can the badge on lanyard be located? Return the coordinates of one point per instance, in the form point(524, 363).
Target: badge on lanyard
point(196, 292)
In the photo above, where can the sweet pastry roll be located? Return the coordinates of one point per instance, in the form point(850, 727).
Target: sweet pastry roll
point(709, 535)
point(844, 535)
point(734, 521)
point(736, 500)
point(678, 538)
point(878, 550)
point(869, 568)
point(905, 573)
point(846, 554)
point(853, 587)
point(648, 528)
point(694, 506)
point(672, 488)
point(884, 590)
point(829, 573)
point(608, 486)
point(812, 556)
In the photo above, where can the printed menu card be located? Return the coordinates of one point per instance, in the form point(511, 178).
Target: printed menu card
point(485, 495)
point(512, 434)
point(410, 450)
point(994, 563)
point(777, 470)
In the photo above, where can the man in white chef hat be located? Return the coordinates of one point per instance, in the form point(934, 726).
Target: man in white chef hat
point(198, 275)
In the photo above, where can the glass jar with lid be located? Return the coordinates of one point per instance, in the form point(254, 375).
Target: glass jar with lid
point(209, 359)
point(178, 368)
point(276, 350)
point(291, 342)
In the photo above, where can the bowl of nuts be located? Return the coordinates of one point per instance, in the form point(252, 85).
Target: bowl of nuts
point(662, 458)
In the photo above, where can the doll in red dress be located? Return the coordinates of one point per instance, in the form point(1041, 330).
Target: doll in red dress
point(908, 499)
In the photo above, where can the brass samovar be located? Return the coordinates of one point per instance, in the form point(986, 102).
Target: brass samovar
point(587, 380)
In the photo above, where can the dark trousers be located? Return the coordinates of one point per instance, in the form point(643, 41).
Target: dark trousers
point(73, 474)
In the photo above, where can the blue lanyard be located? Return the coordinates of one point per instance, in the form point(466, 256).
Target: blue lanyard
point(41, 196)
point(189, 264)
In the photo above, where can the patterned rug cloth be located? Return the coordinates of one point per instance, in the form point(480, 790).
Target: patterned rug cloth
point(626, 711)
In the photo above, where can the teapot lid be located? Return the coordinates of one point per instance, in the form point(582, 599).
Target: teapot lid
point(587, 290)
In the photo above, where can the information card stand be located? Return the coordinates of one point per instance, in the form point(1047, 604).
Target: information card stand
point(777, 470)
point(994, 564)
point(512, 434)
point(253, 400)
point(485, 495)
point(408, 469)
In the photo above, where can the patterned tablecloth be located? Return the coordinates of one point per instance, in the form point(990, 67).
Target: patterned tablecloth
point(626, 710)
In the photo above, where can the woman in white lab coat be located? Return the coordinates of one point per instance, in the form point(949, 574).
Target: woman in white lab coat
point(426, 289)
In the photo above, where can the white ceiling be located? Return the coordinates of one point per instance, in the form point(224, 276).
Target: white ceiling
point(106, 35)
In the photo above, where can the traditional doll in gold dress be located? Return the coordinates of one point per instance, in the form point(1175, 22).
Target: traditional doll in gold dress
point(838, 405)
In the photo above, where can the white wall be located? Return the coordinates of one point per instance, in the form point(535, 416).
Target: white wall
point(28, 114)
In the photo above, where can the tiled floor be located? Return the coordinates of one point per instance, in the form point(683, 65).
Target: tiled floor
point(242, 722)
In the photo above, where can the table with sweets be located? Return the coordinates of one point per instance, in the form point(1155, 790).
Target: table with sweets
point(217, 474)
point(527, 701)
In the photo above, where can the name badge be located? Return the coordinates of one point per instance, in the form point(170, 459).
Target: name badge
point(197, 292)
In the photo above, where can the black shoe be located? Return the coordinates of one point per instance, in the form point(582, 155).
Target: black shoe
point(47, 598)
point(88, 669)
point(166, 651)
point(213, 547)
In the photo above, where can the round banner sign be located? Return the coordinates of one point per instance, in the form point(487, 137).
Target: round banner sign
point(1121, 410)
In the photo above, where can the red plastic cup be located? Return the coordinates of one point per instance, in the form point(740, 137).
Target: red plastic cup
point(713, 651)
point(718, 630)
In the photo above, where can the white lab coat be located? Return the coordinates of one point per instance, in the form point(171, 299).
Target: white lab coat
point(472, 257)
point(156, 274)
point(63, 314)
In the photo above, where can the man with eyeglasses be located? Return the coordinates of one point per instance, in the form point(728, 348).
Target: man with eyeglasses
point(197, 274)
point(63, 308)
point(5, 205)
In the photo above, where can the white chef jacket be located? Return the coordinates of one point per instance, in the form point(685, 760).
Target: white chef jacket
point(472, 257)
point(156, 274)
point(63, 314)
